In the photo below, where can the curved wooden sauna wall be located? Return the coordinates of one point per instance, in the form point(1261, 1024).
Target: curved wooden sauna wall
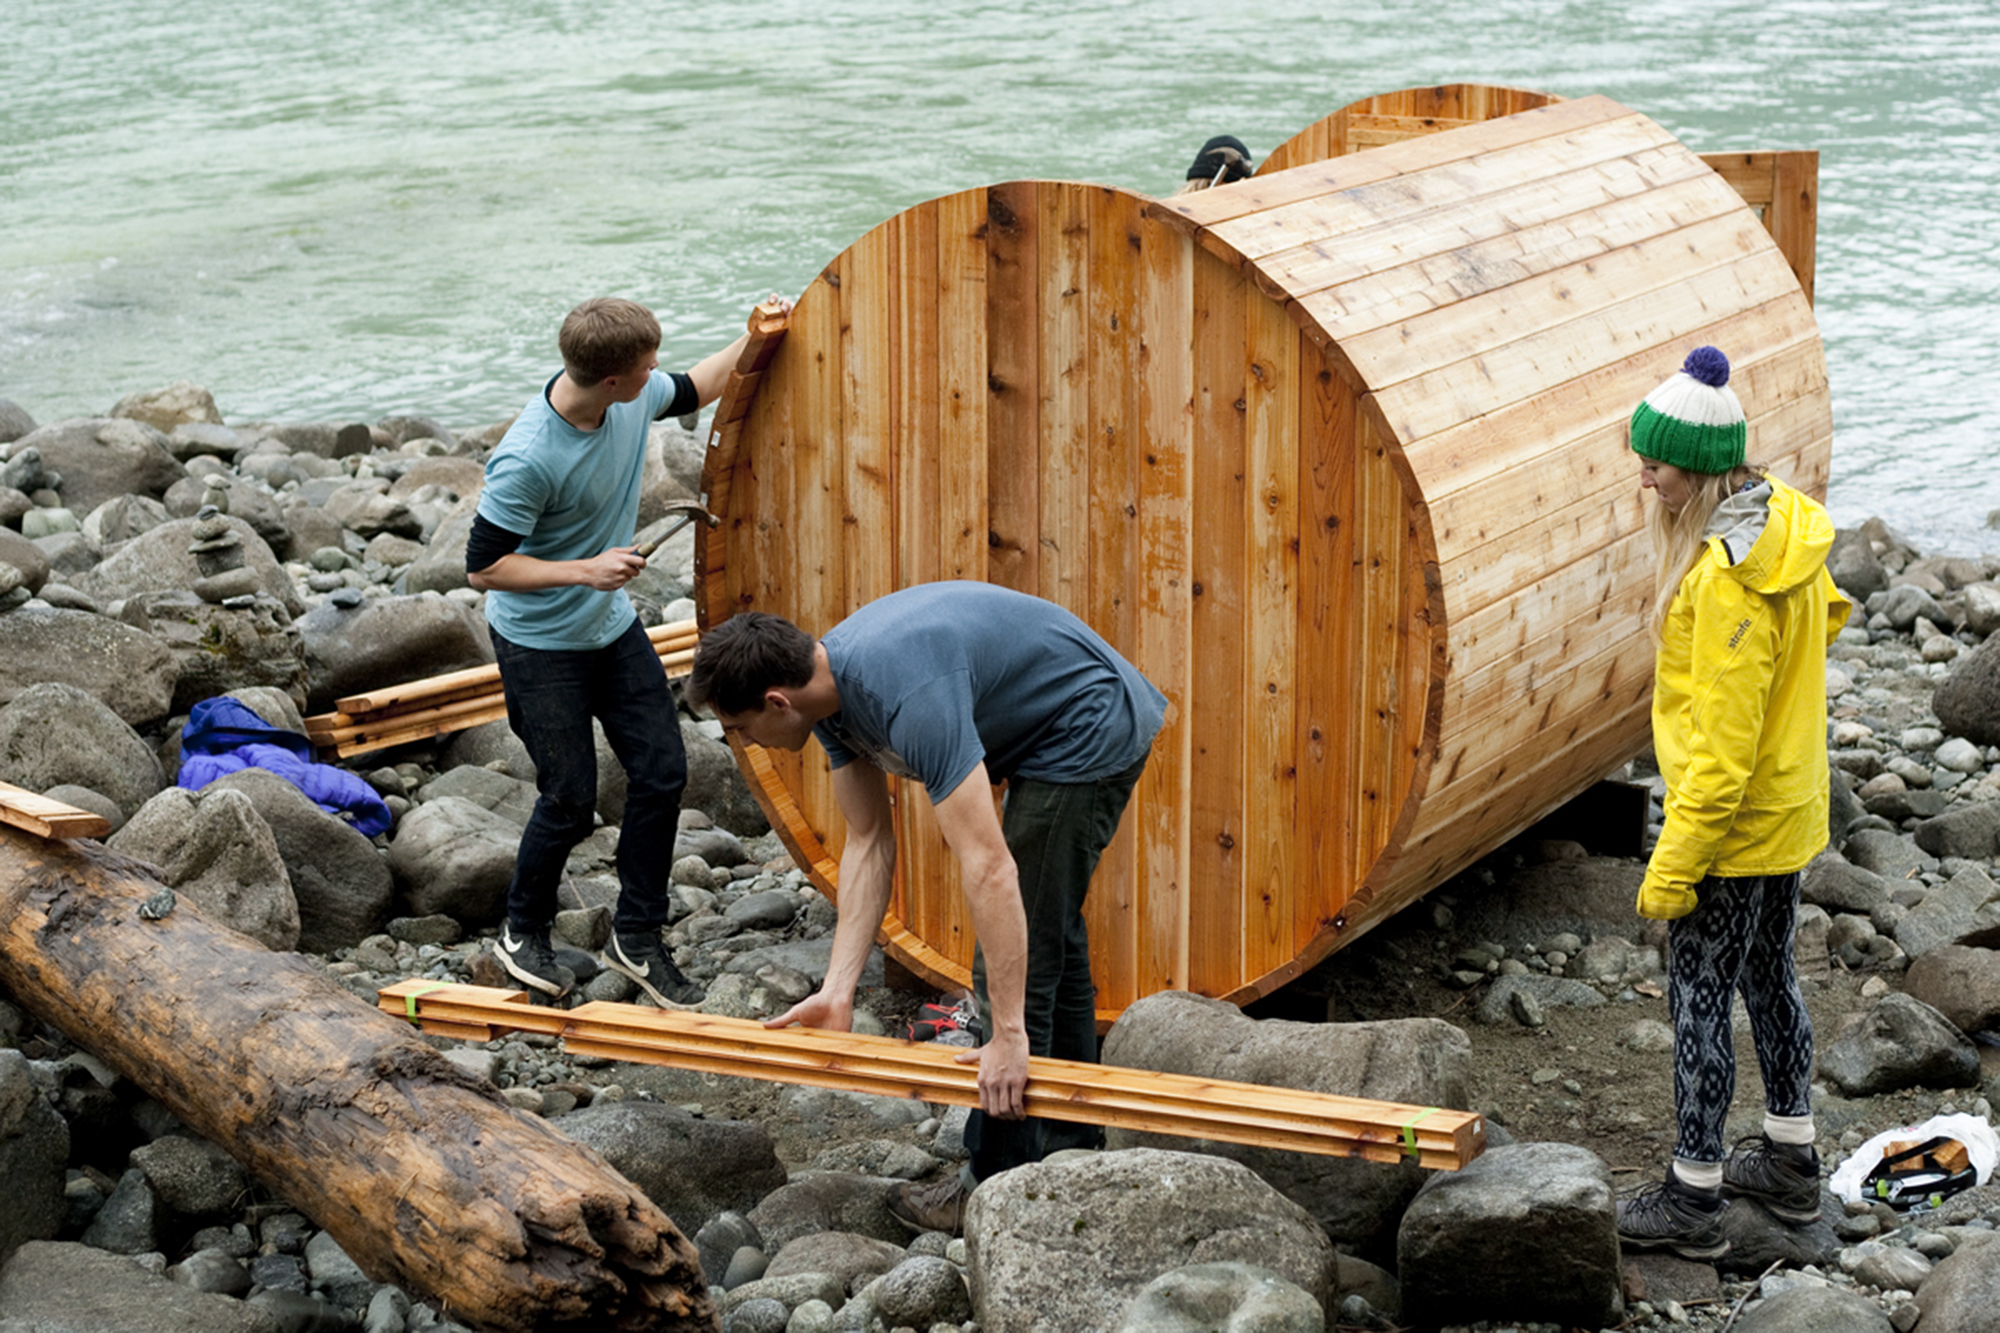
point(1782, 187)
point(1336, 456)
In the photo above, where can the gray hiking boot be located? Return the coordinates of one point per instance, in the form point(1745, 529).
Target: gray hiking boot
point(1783, 1177)
point(642, 956)
point(1675, 1217)
point(531, 960)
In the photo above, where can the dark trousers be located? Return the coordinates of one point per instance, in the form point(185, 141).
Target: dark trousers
point(1056, 832)
point(551, 698)
point(1739, 936)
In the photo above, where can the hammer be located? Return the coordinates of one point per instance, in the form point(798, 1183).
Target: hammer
point(689, 512)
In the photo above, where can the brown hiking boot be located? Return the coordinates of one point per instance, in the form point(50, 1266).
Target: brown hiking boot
point(933, 1205)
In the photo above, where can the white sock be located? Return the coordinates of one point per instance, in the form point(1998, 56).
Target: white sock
point(1705, 1176)
point(1796, 1130)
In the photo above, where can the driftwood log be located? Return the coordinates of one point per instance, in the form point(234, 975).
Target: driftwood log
point(425, 1176)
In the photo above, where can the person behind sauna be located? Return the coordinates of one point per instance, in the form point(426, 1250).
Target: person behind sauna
point(552, 546)
point(1743, 613)
point(959, 686)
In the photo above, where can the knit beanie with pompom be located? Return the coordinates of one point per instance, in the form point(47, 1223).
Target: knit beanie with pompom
point(1693, 421)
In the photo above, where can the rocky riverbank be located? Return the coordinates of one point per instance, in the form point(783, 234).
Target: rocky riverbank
point(159, 556)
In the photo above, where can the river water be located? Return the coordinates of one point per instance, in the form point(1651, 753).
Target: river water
point(385, 206)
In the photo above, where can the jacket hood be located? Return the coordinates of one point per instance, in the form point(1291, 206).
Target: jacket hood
point(1770, 537)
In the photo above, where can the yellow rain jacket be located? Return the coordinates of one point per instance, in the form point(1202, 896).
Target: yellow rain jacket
point(1739, 699)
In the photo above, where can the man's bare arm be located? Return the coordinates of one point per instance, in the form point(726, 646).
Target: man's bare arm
point(607, 571)
point(992, 887)
point(867, 873)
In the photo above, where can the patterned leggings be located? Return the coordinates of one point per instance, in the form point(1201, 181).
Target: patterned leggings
point(1739, 936)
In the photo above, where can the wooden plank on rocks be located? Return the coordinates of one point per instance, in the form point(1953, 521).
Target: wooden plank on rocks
point(1436, 1137)
point(44, 818)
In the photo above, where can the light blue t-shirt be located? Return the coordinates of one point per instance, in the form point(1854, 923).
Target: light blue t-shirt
point(572, 494)
point(935, 678)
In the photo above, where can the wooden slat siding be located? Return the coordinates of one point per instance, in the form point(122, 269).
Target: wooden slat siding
point(1392, 719)
point(1793, 216)
point(1116, 895)
point(918, 428)
point(1166, 648)
point(815, 582)
point(1550, 303)
point(1063, 237)
point(1407, 269)
point(1219, 679)
point(1424, 181)
point(1013, 360)
point(1325, 138)
point(963, 520)
point(1586, 504)
point(1522, 367)
point(1216, 210)
point(1329, 607)
point(869, 477)
point(1475, 451)
point(1276, 352)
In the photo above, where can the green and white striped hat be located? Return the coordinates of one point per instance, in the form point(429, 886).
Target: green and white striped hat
point(1693, 421)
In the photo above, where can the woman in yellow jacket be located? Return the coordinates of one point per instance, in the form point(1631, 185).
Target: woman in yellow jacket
point(1743, 615)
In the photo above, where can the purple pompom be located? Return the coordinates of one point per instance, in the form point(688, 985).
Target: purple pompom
point(1708, 365)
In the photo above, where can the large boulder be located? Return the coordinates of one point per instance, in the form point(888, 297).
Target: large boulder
point(455, 857)
point(219, 648)
point(1899, 1043)
point(1855, 567)
point(846, 1256)
point(692, 1167)
point(813, 1201)
point(1970, 832)
point(389, 641)
point(34, 1149)
point(214, 849)
point(1524, 1232)
point(1816, 1309)
point(1962, 984)
point(1223, 1298)
point(1967, 702)
point(179, 404)
point(52, 734)
point(1963, 1291)
point(1418, 1061)
point(103, 457)
point(1948, 913)
point(127, 670)
point(15, 421)
point(1070, 1243)
point(341, 883)
point(442, 565)
point(59, 1286)
point(365, 507)
point(159, 560)
point(26, 556)
point(716, 786)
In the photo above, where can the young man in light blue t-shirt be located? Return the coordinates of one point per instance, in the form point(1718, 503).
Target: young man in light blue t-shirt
point(552, 546)
point(959, 686)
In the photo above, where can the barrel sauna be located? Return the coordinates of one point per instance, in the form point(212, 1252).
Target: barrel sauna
point(1335, 455)
point(1781, 186)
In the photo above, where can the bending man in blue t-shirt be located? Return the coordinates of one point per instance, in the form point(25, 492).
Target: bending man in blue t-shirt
point(552, 544)
point(960, 686)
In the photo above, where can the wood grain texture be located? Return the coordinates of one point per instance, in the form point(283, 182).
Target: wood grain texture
point(1336, 456)
point(425, 1176)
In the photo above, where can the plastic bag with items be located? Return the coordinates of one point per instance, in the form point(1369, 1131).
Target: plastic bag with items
point(1919, 1167)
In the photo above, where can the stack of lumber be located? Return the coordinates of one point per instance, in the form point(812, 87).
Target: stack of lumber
point(1138, 1099)
point(45, 818)
point(452, 702)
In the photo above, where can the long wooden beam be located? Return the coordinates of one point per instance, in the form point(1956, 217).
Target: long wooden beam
point(1435, 1137)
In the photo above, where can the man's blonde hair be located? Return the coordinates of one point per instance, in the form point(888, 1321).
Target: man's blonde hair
point(606, 336)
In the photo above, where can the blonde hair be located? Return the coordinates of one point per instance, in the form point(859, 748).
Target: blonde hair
point(1678, 538)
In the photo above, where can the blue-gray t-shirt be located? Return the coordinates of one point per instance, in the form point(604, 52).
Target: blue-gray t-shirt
point(574, 494)
point(936, 678)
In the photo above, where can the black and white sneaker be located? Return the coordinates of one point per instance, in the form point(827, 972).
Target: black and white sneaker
point(531, 960)
point(1674, 1216)
point(643, 957)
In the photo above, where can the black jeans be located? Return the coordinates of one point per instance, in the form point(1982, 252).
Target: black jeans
point(1056, 832)
point(551, 698)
